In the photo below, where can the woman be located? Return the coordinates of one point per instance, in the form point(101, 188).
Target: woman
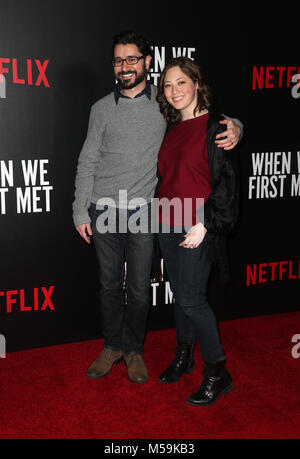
point(191, 166)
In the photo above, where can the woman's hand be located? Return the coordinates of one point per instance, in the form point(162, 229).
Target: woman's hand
point(194, 236)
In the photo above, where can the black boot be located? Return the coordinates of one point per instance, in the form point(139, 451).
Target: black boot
point(216, 382)
point(182, 364)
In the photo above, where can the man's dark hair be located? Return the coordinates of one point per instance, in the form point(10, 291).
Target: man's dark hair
point(130, 37)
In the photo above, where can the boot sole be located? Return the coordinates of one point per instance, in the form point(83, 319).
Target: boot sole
point(177, 379)
point(137, 382)
point(102, 376)
point(224, 392)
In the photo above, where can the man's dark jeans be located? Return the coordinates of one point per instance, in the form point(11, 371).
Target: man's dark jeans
point(188, 271)
point(123, 322)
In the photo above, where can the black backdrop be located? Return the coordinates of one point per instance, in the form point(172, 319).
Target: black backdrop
point(55, 58)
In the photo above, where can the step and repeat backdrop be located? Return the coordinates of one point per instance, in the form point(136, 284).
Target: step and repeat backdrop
point(55, 62)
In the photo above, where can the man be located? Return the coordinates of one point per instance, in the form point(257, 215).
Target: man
point(125, 132)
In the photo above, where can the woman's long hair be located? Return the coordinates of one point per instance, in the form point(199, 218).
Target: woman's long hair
point(192, 70)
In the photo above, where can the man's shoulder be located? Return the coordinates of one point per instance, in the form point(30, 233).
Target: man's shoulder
point(153, 91)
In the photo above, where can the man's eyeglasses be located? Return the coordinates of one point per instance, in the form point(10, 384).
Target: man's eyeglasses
point(130, 60)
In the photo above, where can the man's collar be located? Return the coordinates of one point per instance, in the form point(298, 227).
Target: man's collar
point(118, 94)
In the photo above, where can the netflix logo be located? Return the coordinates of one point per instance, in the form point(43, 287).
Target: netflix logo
point(267, 77)
point(273, 271)
point(271, 76)
point(37, 299)
point(30, 72)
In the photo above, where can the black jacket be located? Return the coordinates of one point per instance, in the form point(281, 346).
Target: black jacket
point(221, 208)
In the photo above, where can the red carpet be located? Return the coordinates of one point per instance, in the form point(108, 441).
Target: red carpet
point(45, 393)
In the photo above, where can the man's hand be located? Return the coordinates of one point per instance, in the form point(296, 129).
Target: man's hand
point(230, 137)
point(194, 236)
point(85, 231)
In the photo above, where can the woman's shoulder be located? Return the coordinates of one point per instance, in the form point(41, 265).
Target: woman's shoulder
point(214, 118)
point(213, 126)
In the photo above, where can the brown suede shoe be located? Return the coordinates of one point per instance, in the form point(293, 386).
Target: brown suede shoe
point(104, 363)
point(136, 368)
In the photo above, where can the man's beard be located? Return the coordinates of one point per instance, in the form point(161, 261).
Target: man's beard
point(139, 77)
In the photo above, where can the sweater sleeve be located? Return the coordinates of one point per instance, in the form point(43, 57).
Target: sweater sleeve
point(238, 123)
point(87, 162)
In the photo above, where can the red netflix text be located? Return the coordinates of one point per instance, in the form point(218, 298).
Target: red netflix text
point(39, 299)
point(33, 71)
point(271, 76)
point(272, 271)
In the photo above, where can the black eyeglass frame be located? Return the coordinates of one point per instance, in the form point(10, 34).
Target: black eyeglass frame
point(137, 58)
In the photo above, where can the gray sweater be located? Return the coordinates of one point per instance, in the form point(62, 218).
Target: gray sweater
point(119, 153)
